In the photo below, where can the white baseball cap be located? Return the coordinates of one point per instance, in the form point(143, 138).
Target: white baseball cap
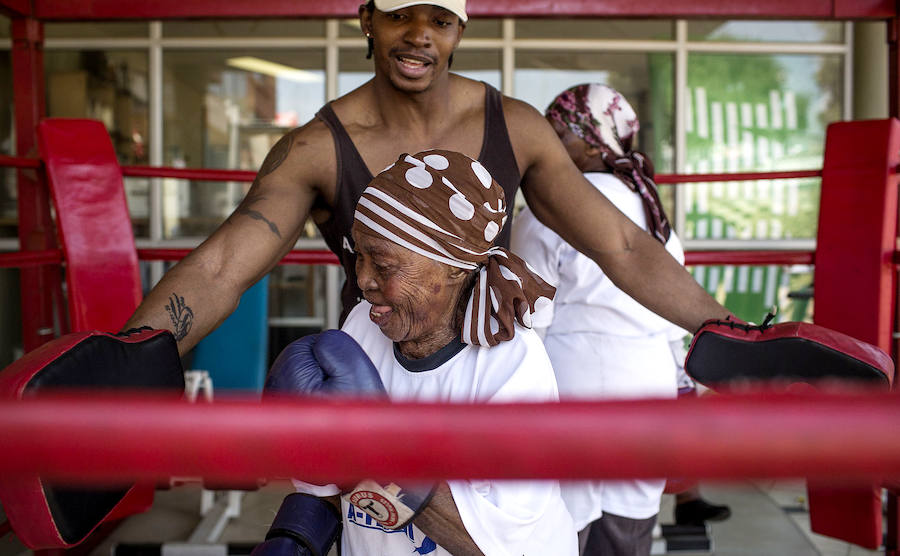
point(458, 7)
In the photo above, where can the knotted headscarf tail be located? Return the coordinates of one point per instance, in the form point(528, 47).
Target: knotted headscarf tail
point(445, 206)
point(603, 118)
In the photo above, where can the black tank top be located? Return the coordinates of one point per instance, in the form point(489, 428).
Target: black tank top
point(353, 177)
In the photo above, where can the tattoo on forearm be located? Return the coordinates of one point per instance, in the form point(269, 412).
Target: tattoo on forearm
point(244, 208)
point(181, 315)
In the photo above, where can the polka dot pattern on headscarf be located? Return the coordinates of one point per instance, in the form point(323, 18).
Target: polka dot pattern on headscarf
point(445, 206)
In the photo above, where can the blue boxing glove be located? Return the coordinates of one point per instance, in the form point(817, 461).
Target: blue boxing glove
point(304, 526)
point(333, 364)
point(329, 363)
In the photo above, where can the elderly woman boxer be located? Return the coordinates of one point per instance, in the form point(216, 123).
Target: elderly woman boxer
point(446, 316)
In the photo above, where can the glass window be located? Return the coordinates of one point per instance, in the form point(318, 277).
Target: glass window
point(8, 194)
point(297, 296)
point(483, 29)
point(751, 291)
point(766, 31)
point(475, 28)
point(110, 86)
point(645, 79)
point(6, 102)
point(353, 69)
point(246, 28)
point(549, 28)
point(756, 113)
point(82, 30)
point(10, 305)
point(137, 192)
point(480, 65)
point(350, 28)
point(225, 109)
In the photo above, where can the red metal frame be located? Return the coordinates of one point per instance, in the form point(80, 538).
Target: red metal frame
point(58, 10)
point(15, 8)
point(42, 309)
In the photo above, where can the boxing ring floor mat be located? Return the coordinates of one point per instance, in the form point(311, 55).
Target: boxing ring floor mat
point(768, 517)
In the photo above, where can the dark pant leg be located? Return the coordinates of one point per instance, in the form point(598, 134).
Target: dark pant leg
point(614, 535)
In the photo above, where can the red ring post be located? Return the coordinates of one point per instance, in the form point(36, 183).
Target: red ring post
point(855, 285)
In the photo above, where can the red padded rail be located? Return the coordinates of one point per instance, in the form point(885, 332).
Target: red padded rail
point(856, 284)
point(104, 286)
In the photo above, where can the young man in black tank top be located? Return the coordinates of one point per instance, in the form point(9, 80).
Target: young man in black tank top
point(412, 103)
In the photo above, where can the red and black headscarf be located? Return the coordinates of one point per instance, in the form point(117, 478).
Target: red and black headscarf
point(603, 118)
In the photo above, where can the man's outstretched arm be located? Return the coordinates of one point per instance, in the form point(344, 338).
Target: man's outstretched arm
point(198, 293)
point(563, 200)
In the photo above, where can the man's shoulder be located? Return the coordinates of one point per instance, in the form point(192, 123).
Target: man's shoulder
point(356, 107)
point(308, 159)
point(313, 130)
point(514, 109)
point(528, 131)
point(311, 141)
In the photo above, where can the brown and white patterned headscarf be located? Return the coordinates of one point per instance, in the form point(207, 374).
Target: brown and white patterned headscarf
point(603, 118)
point(447, 207)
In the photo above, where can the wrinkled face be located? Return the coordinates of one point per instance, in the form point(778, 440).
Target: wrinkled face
point(413, 297)
point(579, 150)
point(412, 45)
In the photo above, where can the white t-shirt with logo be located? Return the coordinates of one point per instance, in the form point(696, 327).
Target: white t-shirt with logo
point(516, 518)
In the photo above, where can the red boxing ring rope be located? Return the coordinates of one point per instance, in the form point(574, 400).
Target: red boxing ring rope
point(19, 162)
point(28, 259)
point(199, 174)
point(321, 256)
point(101, 439)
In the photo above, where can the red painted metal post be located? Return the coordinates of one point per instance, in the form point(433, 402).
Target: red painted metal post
point(893, 36)
point(41, 291)
point(856, 284)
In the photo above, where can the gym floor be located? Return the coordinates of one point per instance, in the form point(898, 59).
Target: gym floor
point(768, 518)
